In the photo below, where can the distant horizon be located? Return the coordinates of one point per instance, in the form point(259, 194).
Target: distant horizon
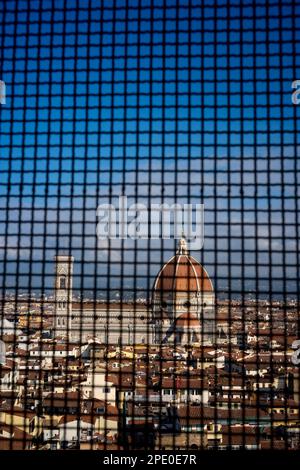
point(221, 295)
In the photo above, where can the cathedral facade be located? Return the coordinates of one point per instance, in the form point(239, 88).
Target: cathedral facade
point(182, 309)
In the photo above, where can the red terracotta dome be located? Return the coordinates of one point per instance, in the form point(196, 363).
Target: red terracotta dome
point(183, 273)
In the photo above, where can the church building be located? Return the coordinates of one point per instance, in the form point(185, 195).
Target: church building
point(183, 301)
point(182, 309)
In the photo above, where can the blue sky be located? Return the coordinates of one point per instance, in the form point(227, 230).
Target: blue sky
point(187, 103)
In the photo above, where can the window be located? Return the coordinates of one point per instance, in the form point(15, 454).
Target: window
point(62, 282)
point(142, 111)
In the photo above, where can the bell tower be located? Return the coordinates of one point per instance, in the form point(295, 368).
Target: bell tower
point(63, 293)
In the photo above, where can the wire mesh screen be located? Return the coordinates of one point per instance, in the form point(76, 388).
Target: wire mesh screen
point(149, 225)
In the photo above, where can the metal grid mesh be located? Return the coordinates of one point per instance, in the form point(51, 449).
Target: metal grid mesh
point(171, 102)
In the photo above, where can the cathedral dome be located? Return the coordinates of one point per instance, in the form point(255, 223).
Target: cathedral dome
point(182, 273)
point(183, 300)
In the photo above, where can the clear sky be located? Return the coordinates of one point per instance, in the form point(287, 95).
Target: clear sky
point(164, 101)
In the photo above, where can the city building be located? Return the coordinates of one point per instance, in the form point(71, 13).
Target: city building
point(183, 307)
